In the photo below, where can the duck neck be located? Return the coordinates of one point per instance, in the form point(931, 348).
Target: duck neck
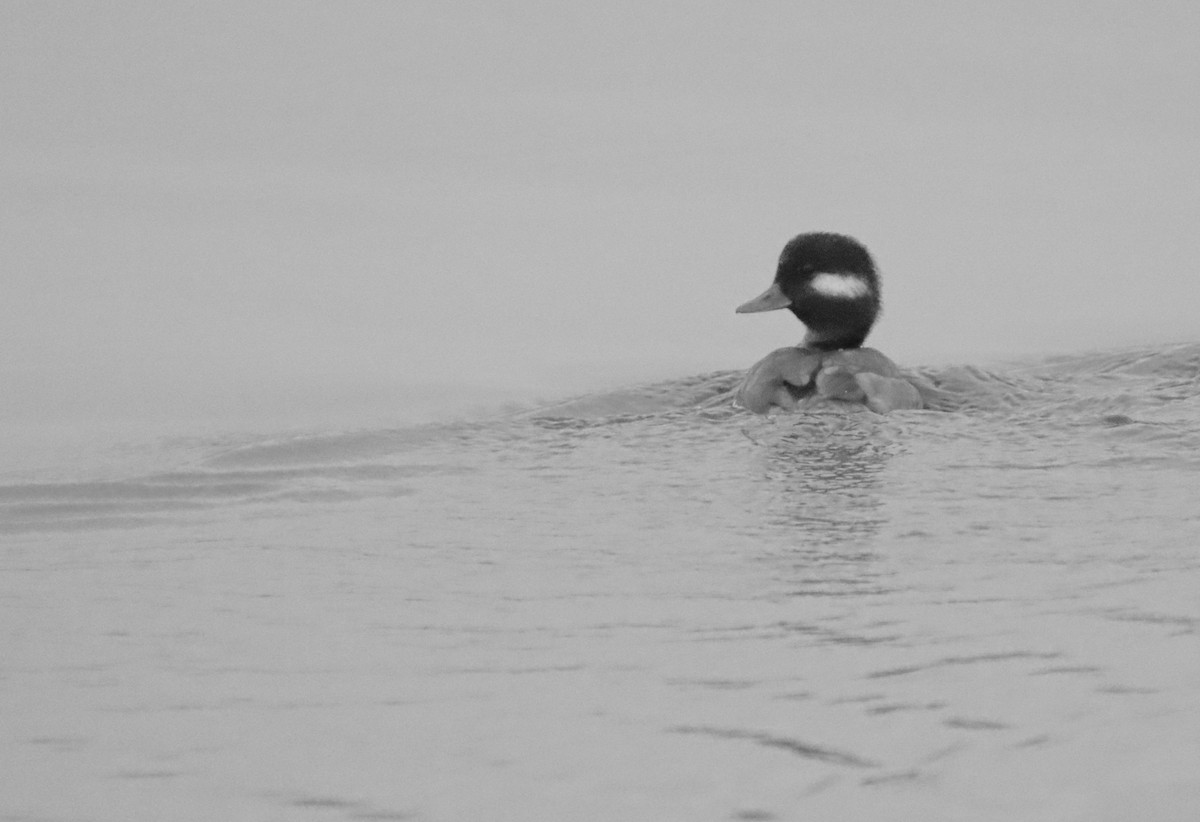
point(834, 341)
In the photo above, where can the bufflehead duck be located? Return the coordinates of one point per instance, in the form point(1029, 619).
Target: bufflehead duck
point(829, 282)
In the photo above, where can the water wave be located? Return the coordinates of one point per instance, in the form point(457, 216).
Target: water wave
point(1138, 407)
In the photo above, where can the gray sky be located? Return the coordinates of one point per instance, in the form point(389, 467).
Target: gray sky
point(221, 203)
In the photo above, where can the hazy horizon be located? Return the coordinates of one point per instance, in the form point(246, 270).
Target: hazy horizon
point(219, 209)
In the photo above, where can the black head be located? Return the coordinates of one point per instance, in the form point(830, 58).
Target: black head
point(829, 282)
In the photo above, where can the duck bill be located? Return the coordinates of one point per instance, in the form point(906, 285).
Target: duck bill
point(770, 300)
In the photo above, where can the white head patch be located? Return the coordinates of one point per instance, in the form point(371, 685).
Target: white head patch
point(844, 286)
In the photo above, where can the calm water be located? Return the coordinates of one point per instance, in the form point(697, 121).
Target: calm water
point(645, 605)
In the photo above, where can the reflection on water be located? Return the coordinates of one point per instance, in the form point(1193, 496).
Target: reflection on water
point(823, 478)
point(825, 484)
point(645, 605)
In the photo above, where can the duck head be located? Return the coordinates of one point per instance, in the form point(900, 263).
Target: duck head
point(829, 282)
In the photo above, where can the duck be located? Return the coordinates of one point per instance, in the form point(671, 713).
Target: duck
point(830, 283)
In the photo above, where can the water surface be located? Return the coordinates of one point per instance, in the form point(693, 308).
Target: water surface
point(645, 604)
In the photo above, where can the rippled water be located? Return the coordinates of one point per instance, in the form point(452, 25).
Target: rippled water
point(645, 605)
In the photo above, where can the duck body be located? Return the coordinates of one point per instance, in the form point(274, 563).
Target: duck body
point(829, 282)
point(788, 377)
